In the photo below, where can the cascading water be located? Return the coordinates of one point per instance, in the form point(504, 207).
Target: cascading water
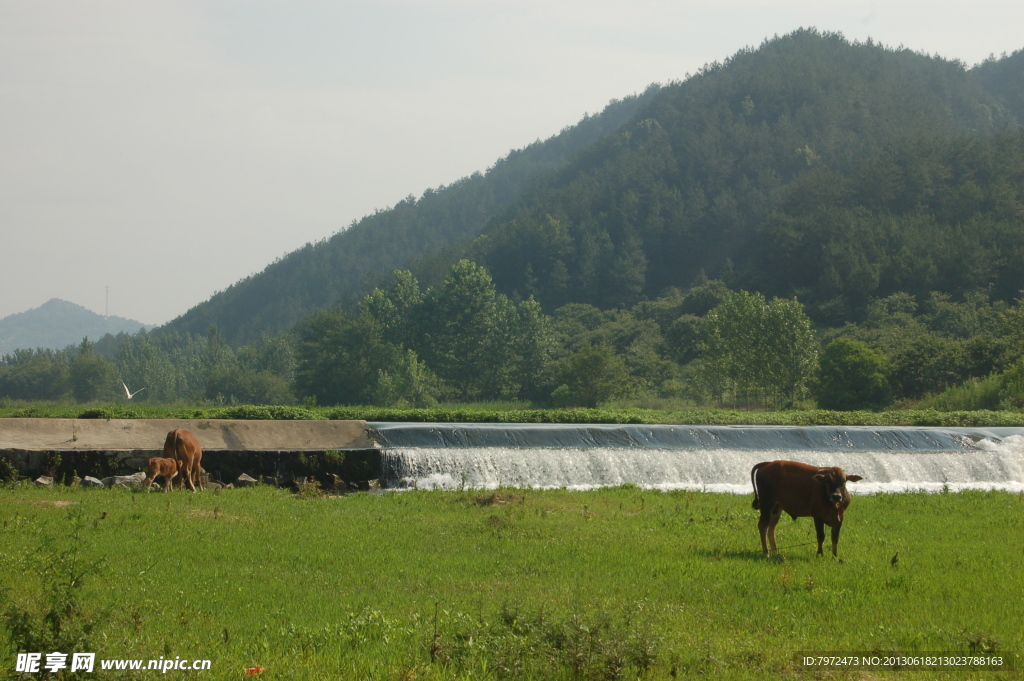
point(712, 458)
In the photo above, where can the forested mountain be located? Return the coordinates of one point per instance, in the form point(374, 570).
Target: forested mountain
point(56, 324)
point(809, 166)
point(319, 275)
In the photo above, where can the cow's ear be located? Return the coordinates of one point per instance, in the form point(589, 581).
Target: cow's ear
point(853, 478)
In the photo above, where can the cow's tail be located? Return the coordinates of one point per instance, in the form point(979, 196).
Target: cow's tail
point(756, 504)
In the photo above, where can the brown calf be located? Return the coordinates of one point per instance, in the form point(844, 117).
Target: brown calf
point(168, 468)
point(800, 490)
point(183, 447)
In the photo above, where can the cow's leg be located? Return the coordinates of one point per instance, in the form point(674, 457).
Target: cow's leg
point(772, 521)
point(766, 524)
point(149, 482)
point(776, 514)
point(186, 467)
point(819, 530)
point(835, 538)
point(762, 527)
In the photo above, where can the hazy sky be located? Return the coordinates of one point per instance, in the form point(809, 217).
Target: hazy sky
point(167, 149)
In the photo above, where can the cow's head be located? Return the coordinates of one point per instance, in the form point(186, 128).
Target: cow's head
point(833, 481)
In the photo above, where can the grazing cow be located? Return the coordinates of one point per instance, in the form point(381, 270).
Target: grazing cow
point(800, 490)
point(183, 447)
point(168, 468)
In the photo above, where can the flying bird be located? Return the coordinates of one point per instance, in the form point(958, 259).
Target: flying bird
point(128, 394)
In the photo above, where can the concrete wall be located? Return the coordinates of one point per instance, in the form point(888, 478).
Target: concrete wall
point(101, 447)
point(111, 435)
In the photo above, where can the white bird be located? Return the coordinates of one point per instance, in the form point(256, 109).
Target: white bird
point(128, 394)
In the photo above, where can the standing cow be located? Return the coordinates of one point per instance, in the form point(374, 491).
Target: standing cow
point(800, 490)
point(183, 447)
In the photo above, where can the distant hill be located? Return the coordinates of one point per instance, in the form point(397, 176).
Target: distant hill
point(809, 166)
point(57, 324)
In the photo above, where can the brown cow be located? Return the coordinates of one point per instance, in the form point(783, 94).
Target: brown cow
point(168, 468)
point(183, 447)
point(800, 490)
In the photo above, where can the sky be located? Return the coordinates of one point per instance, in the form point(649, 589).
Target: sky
point(153, 152)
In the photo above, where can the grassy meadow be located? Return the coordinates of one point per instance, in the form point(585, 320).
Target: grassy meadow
point(617, 583)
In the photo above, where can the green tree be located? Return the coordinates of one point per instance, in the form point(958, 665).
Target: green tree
point(91, 376)
point(853, 376)
point(342, 360)
point(40, 374)
point(590, 376)
point(142, 363)
point(926, 363)
point(762, 350)
point(471, 334)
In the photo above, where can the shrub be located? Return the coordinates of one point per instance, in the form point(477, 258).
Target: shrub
point(852, 377)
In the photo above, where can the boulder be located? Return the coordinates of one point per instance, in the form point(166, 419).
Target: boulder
point(44, 481)
point(369, 485)
point(89, 481)
point(133, 480)
point(245, 481)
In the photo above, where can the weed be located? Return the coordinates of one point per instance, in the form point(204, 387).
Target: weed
point(8, 472)
point(57, 621)
point(310, 489)
point(980, 643)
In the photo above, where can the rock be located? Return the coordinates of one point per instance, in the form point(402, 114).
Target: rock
point(89, 481)
point(245, 481)
point(333, 482)
point(133, 480)
point(213, 484)
point(44, 481)
point(369, 485)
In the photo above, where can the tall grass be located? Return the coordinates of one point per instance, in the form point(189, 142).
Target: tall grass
point(616, 583)
point(974, 394)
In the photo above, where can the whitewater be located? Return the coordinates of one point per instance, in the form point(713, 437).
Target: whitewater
point(705, 458)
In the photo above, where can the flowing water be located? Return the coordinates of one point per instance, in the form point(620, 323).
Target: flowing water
point(711, 458)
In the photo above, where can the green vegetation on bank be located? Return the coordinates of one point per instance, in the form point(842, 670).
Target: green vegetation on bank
point(611, 584)
point(524, 414)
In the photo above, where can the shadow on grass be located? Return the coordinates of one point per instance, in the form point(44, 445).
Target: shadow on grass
point(757, 556)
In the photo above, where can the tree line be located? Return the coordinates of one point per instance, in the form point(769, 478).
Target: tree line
point(465, 341)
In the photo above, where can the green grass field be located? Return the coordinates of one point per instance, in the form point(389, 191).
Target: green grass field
point(615, 583)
